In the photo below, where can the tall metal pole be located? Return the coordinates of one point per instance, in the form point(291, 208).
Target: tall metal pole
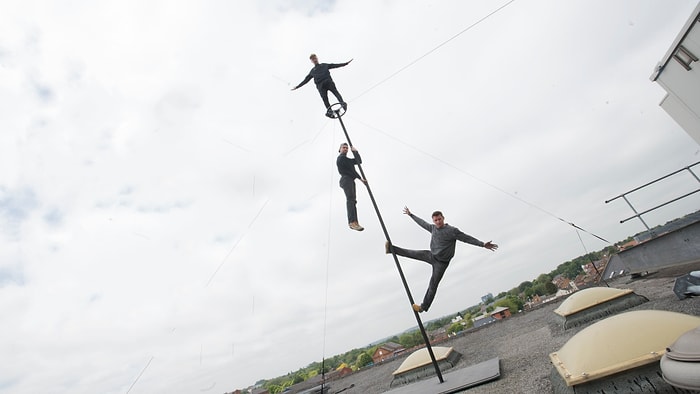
point(396, 259)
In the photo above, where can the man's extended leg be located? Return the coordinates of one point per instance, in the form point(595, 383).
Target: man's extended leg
point(439, 269)
point(336, 93)
point(422, 255)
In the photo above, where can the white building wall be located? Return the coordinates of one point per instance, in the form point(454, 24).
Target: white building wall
point(682, 85)
point(683, 115)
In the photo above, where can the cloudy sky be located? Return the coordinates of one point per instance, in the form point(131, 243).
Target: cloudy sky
point(170, 216)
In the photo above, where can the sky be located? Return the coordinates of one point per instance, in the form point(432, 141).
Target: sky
point(170, 216)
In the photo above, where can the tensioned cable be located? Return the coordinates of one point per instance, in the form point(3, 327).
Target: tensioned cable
point(139, 377)
point(250, 224)
point(434, 49)
point(311, 141)
point(600, 275)
point(480, 180)
point(449, 164)
point(237, 242)
point(328, 259)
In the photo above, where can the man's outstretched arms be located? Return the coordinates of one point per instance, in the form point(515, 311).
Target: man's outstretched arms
point(302, 83)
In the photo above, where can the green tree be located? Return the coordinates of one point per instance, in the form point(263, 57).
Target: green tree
point(455, 327)
point(438, 323)
point(298, 378)
point(514, 292)
point(274, 388)
point(570, 269)
point(544, 278)
point(550, 288)
point(411, 339)
point(539, 289)
point(363, 359)
point(468, 322)
point(514, 304)
point(475, 310)
point(524, 286)
point(351, 356)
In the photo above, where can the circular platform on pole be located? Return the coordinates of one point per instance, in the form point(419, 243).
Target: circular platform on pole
point(337, 110)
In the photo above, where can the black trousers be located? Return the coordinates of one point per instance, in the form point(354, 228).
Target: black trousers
point(439, 268)
point(348, 185)
point(323, 89)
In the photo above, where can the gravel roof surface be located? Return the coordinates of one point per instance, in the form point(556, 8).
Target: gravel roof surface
point(524, 341)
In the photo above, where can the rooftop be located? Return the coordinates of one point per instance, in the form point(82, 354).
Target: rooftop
point(523, 342)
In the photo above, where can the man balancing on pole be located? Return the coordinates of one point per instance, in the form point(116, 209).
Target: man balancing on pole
point(324, 83)
point(442, 248)
point(348, 174)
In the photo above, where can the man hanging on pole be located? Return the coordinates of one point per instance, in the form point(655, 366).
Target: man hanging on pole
point(324, 83)
point(442, 249)
point(348, 174)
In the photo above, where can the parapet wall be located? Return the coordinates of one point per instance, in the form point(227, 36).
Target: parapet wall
point(677, 247)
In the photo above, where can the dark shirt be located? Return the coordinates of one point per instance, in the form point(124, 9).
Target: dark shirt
point(346, 165)
point(320, 73)
point(443, 240)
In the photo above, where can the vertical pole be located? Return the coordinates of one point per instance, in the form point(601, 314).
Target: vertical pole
point(396, 260)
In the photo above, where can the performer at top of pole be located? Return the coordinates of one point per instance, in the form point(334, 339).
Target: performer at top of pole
point(324, 83)
point(348, 174)
point(442, 249)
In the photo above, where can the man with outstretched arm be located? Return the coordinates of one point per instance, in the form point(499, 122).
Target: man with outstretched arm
point(348, 174)
point(324, 83)
point(443, 242)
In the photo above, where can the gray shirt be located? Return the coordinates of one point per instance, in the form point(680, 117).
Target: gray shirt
point(443, 241)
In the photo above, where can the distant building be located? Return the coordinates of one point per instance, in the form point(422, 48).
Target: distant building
point(679, 74)
point(536, 300)
point(487, 298)
point(633, 242)
point(595, 269)
point(341, 372)
point(312, 385)
point(563, 292)
point(562, 282)
point(500, 313)
point(387, 351)
point(483, 320)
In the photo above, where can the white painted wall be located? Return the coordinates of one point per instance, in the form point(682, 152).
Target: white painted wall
point(683, 86)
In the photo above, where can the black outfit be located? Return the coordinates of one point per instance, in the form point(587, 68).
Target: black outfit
point(324, 83)
point(348, 174)
point(442, 249)
point(439, 268)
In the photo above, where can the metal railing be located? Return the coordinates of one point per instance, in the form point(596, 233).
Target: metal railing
point(639, 214)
